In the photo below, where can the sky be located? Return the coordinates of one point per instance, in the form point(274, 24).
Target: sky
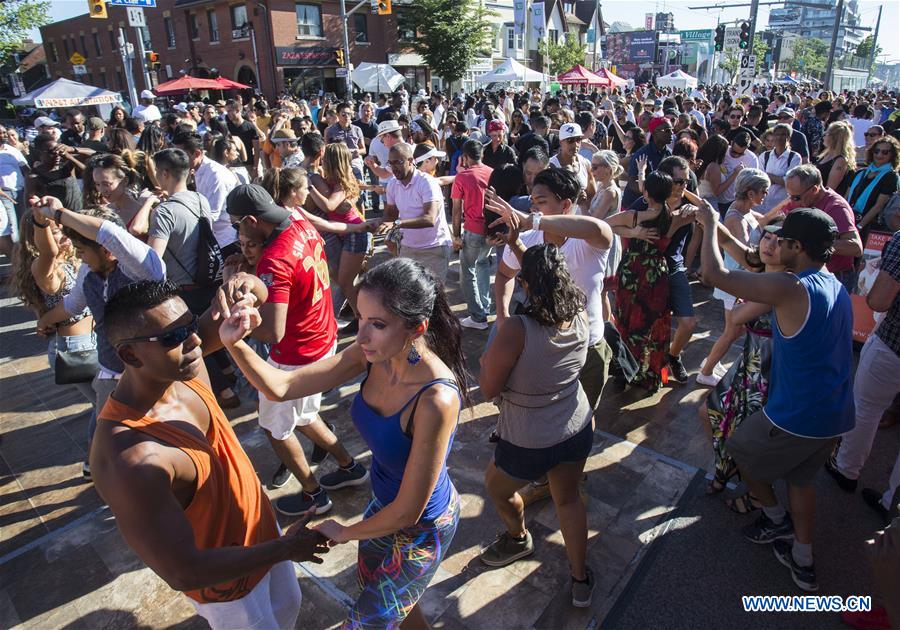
point(632, 12)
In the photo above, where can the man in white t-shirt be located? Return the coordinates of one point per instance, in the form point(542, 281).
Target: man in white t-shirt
point(414, 204)
point(776, 163)
point(584, 241)
point(860, 124)
point(147, 111)
point(738, 157)
point(13, 170)
point(389, 133)
point(568, 157)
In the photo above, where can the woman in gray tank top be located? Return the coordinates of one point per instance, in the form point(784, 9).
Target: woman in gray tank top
point(546, 425)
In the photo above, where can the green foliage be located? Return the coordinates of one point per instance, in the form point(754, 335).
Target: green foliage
point(17, 17)
point(810, 57)
point(563, 55)
point(760, 48)
point(865, 47)
point(731, 60)
point(449, 33)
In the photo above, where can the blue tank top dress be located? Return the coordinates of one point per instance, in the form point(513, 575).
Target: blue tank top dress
point(810, 387)
point(390, 448)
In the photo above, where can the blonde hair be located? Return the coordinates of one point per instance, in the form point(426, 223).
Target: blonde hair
point(610, 160)
point(337, 169)
point(24, 254)
point(842, 141)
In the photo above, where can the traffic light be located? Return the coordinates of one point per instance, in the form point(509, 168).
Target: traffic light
point(720, 37)
point(97, 9)
point(152, 59)
point(339, 56)
point(381, 7)
point(744, 42)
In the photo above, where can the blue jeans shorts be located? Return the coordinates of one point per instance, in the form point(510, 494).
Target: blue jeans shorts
point(681, 300)
point(356, 243)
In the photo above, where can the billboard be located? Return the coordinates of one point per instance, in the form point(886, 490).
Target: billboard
point(864, 319)
point(787, 16)
point(642, 47)
point(617, 47)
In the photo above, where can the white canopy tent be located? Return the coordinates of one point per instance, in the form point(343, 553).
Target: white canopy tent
point(376, 77)
point(510, 70)
point(677, 79)
point(66, 93)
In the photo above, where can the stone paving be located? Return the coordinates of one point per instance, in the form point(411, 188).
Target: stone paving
point(63, 563)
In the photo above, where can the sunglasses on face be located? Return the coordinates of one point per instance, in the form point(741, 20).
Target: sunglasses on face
point(679, 182)
point(397, 162)
point(870, 134)
point(735, 116)
point(170, 339)
point(800, 196)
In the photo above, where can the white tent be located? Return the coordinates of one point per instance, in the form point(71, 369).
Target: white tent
point(376, 77)
point(66, 93)
point(510, 70)
point(677, 79)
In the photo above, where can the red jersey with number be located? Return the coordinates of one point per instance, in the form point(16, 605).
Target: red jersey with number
point(294, 268)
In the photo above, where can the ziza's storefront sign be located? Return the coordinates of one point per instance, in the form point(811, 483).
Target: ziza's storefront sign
point(309, 56)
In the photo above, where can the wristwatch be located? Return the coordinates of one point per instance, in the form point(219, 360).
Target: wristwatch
point(536, 220)
point(37, 224)
point(397, 223)
point(58, 217)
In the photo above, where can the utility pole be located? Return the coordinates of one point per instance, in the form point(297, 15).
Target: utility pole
point(346, 33)
point(838, 17)
point(142, 57)
point(874, 43)
point(600, 28)
point(126, 66)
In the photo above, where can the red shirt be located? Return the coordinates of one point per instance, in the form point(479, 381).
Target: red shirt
point(294, 268)
point(469, 186)
point(838, 209)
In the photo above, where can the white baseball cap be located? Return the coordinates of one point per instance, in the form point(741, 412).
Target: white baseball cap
point(148, 94)
point(45, 121)
point(388, 126)
point(181, 107)
point(432, 153)
point(570, 130)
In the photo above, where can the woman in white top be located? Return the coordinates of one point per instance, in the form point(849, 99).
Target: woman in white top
point(607, 201)
point(745, 225)
point(570, 136)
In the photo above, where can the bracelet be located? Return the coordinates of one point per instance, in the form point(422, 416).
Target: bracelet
point(35, 223)
point(58, 217)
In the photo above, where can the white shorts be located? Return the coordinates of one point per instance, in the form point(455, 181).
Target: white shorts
point(280, 418)
point(273, 603)
point(728, 300)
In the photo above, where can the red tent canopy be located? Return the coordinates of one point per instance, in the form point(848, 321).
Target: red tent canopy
point(186, 84)
point(228, 84)
point(580, 74)
point(613, 79)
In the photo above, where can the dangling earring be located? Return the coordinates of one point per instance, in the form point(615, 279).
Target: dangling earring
point(413, 357)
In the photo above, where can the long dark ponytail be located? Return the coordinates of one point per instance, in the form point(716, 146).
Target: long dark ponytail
point(412, 292)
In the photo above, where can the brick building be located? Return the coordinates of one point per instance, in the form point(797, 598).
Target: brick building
point(275, 45)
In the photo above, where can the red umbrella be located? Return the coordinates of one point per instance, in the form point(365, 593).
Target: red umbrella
point(228, 84)
point(186, 84)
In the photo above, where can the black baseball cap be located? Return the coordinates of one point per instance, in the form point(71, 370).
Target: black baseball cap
point(252, 200)
point(808, 226)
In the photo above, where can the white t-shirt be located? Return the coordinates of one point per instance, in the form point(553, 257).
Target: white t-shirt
point(11, 163)
point(860, 127)
point(410, 200)
point(748, 159)
point(777, 165)
point(587, 264)
point(380, 153)
point(214, 181)
point(584, 169)
point(147, 113)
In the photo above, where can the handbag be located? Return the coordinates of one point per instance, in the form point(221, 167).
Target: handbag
point(76, 366)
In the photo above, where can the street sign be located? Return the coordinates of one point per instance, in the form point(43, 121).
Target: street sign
point(136, 17)
point(744, 85)
point(77, 58)
point(748, 66)
point(702, 35)
point(79, 69)
point(732, 37)
point(133, 3)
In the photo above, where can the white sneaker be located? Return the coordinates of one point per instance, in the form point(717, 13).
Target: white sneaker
point(709, 381)
point(468, 322)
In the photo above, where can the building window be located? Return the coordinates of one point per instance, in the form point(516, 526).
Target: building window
point(51, 49)
point(309, 20)
point(194, 26)
point(407, 34)
point(554, 36)
point(120, 80)
point(67, 48)
point(97, 44)
point(213, 22)
point(145, 35)
point(170, 32)
point(513, 41)
point(238, 18)
point(84, 50)
point(361, 26)
point(101, 80)
point(113, 43)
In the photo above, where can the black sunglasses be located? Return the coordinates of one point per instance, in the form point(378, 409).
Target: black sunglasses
point(679, 182)
point(171, 338)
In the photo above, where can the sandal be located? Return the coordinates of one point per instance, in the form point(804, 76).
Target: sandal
point(720, 481)
point(743, 504)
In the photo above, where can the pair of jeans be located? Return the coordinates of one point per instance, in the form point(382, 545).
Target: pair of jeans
point(475, 275)
point(77, 343)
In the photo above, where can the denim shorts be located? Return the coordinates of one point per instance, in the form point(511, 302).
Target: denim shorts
point(530, 464)
point(356, 243)
point(681, 300)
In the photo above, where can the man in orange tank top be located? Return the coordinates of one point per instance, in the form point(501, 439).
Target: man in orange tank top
point(185, 495)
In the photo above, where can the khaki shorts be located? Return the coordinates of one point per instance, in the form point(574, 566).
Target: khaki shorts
point(595, 371)
point(767, 453)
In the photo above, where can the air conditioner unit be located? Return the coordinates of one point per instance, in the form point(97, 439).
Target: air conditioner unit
point(240, 32)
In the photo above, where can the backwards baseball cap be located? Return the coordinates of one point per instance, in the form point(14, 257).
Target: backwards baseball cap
point(388, 126)
point(148, 94)
point(252, 200)
point(655, 122)
point(570, 130)
point(45, 121)
point(808, 226)
point(95, 123)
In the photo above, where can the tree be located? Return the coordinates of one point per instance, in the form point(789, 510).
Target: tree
point(810, 57)
point(732, 58)
point(17, 17)
point(760, 48)
point(449, 34)
point(564, 55)
point(864, 50)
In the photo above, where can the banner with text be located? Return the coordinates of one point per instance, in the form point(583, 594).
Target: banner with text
point(519, 8)
point(538, 23)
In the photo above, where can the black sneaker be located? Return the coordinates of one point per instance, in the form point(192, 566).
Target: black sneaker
point(678, 372)
point(86, 471)
point(281, 476)
point(763, 530)
point(297, 504)
point(583, 592)
point(873, 500)
point(804, 577)
point(319, 454)
point(844, 483)
point(356, 475)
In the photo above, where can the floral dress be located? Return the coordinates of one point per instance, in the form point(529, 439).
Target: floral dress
point(643, 318)
point(741, 392)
